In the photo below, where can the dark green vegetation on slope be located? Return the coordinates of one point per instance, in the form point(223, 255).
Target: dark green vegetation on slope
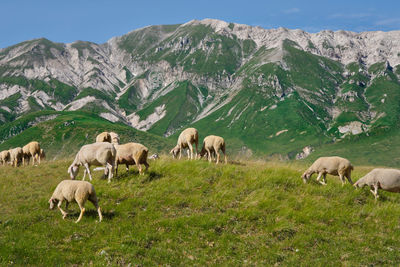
point(195, 213)
point(62, 134)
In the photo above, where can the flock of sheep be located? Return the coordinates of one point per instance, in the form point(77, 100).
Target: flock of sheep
point(18, 155)
point(109, 153)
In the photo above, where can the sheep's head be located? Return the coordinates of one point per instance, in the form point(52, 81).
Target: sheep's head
point(73, 171)
point(360, 183)
point(52, 202)
point(175, 151)
point(306, 175)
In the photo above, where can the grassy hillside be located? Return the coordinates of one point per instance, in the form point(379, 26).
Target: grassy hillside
point(195, 213)
point(65, 132)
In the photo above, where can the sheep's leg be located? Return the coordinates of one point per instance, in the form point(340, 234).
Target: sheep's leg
point(82, 207)
point(64, 214)
point(110, 168)
point(319, 176)
point(180, 153)
point(127, 167)
point(84, 174)
point(191, 150)
point(348, 175)
point(146, 165)
point(139, 167)
point(33, 160)
point(341, 176)
point(375, 191)
point(208, 154)
point(87, 168)
point(323, 182)
point(218, 156)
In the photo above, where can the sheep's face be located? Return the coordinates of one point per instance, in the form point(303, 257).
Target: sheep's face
point(73, 171)
point(305, 177)
point(175, 151)
point(359, 184)
point(52, 203)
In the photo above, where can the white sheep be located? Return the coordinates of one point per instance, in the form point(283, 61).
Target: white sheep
point(385, 179)
point(154, 157)
point(103, 137)
point(31, 150)
point(70, 190)
point(186, 139)
point(4, 157)
point(329, 165)
point(114, 138)
point(131, 154)
point(97, 154)
point(212, 144)
point(16, 155)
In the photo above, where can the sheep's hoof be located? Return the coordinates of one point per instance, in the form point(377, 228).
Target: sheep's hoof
point(323, 183)
point(65, 215)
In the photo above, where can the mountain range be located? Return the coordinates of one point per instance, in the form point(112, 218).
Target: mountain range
point(267, 91)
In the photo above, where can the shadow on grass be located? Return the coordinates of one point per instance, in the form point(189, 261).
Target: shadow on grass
point(152, 176)
point(92, 213)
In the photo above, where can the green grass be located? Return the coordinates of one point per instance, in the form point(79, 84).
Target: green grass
point(196, 213)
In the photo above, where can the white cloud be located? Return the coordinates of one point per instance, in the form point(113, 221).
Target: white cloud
point(388, 22)
point(291, 10)
point(349, 16)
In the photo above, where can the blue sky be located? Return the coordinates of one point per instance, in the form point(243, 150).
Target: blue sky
point(99, 20)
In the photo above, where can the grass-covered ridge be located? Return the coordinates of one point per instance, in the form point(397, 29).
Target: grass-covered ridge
point(61, 134)
point(196, 213)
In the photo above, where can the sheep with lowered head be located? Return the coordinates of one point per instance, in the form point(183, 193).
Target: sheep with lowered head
point(329, 165)
point(16, 155)
point(4, 157)
point(385, 179)
point(31, 150)
point(70, 190)
point(103, 137)
point(131, 154)
point(114, 138)
point(186, 139)
point(212, 144)
point(97, 154)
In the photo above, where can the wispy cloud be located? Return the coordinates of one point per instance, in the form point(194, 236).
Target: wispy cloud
point(388, 22)
point(291, 10)
point(349, 15)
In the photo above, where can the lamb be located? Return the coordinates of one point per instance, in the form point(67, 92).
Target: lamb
point(332, 165)
point(385, 179)
point(114, 138)
point(212, 144)
point(4, 157)
point(103, 137)
point(186, 139)
point(16, 155)
point(70, 190)
point(130, 154)
point(97, 154)
point(31, 150)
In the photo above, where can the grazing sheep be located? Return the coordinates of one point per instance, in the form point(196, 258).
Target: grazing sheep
point(385, 179)
point(31, 150)
point(4, 157)
point(131, 154)
point(212, 144)
point(70, 190)
point(332, 165)
point(186, 139)
point(103, 137)
point(97, 154)
point(114, 138)
point(154, 157)
point(16, 155)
